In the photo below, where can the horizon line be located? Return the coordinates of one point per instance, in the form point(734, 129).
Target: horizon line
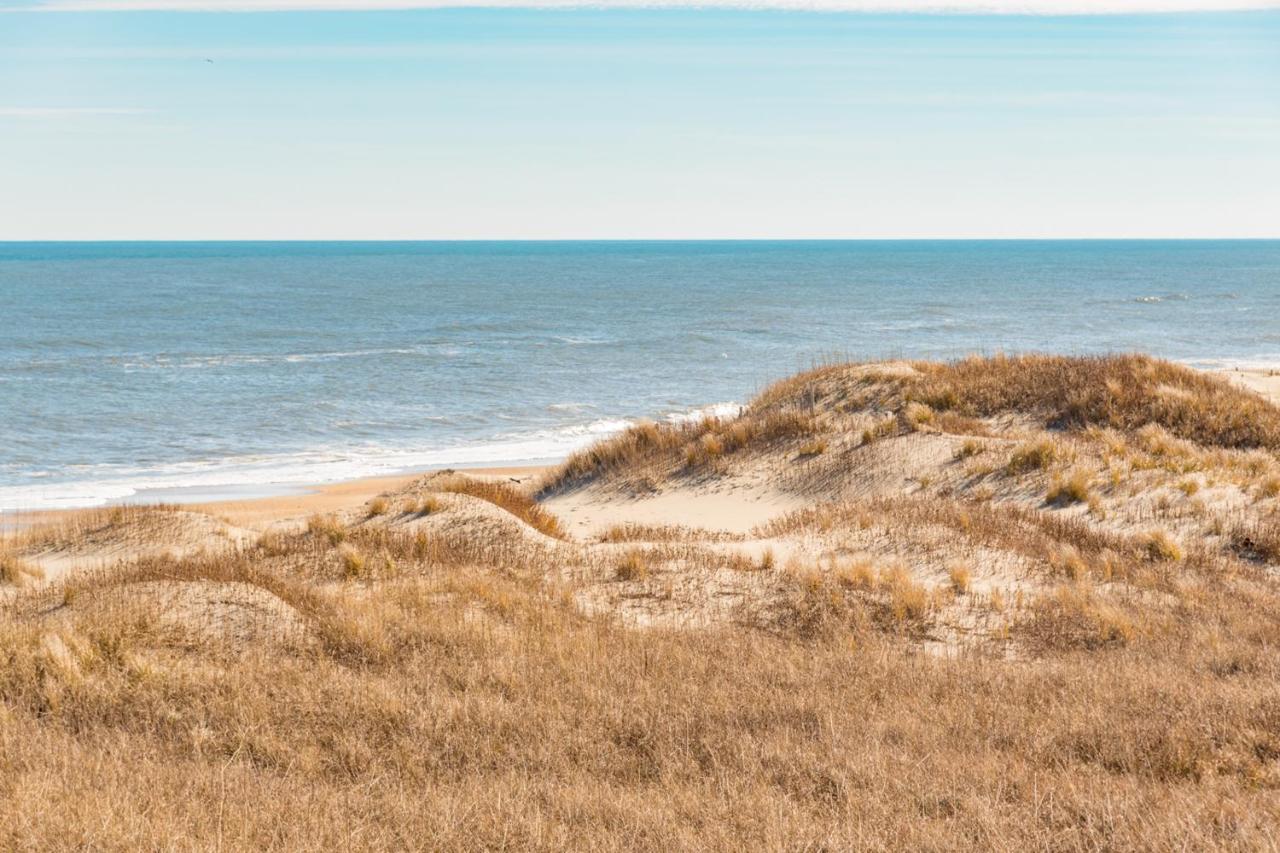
point(1043, 8)
point(6, 242)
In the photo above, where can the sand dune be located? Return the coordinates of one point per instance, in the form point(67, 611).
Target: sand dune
point(99, 538)
point(890, 605)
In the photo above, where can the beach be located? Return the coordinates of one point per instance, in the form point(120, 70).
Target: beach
point(785, 425)
point(469, 355)
point(1265, 381)
point(1028, 538)
point(292, 503)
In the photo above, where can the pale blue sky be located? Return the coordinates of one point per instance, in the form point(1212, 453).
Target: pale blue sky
point(526, 123)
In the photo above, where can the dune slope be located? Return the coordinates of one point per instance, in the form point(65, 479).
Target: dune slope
point(1007, 603)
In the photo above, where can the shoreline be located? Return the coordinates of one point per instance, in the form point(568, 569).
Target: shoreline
point(250, 504)
point(254, 510)
point(261, 511)
point(1261, 380)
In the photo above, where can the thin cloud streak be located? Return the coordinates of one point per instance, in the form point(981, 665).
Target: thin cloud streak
point(68, 112)
point(979, 7)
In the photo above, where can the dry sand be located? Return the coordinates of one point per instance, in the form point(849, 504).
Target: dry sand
point(1265, 382)
point(453, 619)
point(262, 513)
point(733, 507)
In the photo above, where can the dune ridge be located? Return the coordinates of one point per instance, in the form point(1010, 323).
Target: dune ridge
point(1010, 603)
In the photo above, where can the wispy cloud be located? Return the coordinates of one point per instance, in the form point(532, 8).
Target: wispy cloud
point(1021, 7)
point(40, 113)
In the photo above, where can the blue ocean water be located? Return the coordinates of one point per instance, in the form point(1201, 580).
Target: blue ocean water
point(140, 366)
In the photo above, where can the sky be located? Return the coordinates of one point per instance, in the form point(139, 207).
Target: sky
point(329, 119)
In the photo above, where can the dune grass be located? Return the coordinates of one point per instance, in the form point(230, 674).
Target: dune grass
point(1118, 391)
point(402, 679)
point(812, 413)
point(525, 725)
point(516, 502)
point(17, 572)
point(690, 447)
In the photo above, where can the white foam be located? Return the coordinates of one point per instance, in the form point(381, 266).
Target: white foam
point(321, 465)
point(715, 410)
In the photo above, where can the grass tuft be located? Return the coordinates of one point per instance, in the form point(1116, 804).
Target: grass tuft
point(328, 527)
point(354, 565)
point(1160, 546)
point(16, 572)
point(633, 566)
point(1033, 456)
point(812, 448)
point(517, 503)
point(1072, 490)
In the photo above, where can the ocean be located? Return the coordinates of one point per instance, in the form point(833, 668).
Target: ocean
point(200, 370)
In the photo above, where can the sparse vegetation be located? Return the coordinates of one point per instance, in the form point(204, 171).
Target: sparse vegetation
point(328, 527)
point(1033, 456)
point(1161, 546)
point(633, 532)
point(353, 562)
point(813, 448)
point(420, 506)
point(633, 566)
point(16, 572)
point(882, 429)
point(519, 504)
point(1102, 680)
point(1072, 489)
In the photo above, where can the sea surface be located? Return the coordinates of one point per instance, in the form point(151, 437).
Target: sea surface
point(161, 370)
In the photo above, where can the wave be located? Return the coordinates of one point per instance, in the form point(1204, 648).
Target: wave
point(581, 341)
point(178, 361)
point(715, 410)
point(267, 474)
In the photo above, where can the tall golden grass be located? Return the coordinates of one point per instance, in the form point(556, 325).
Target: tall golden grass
point(1076, 393)
point(476, 708)
point(1119, 391)
point(516, 502)
point(377, 681)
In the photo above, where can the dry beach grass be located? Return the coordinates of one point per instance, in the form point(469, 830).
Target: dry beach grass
point(989, 613)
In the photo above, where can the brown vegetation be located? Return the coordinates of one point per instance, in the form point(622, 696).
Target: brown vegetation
point(516, 502)
point(924, 655)
point(16, 572)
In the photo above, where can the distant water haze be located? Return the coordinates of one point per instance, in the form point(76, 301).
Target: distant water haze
point(139, 366)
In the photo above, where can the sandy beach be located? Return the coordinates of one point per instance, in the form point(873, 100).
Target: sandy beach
point(261, 513)
point(1265, 382)
point(728, 513)
point(1002, 529)
point(640, 427)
